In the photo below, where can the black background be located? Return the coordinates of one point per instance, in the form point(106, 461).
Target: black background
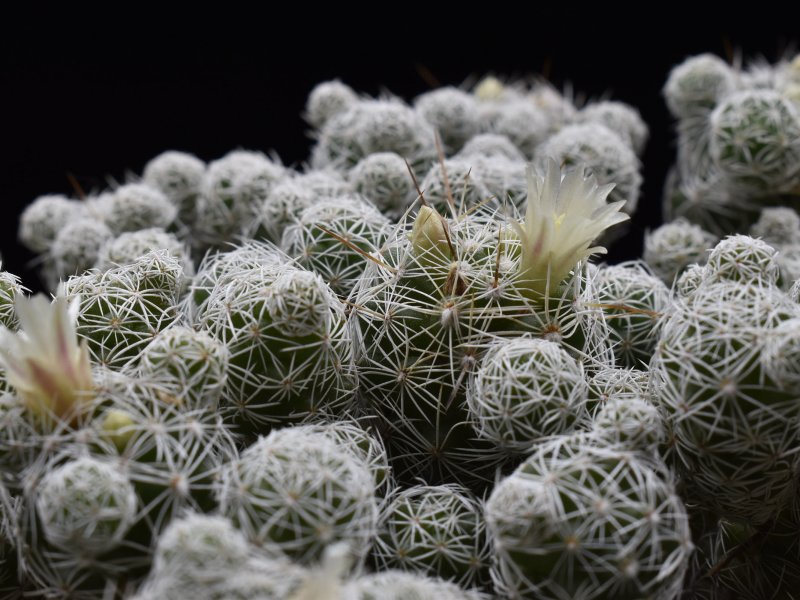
point(98, 101)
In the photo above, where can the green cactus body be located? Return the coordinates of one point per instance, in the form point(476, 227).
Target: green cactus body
point(331, 238)
point(698, 84)
point(123, 309)
point(171, 455)
point(526, 389)
point(437, 531)
point(10, 288)
point(423, 318)
point(632, 300)
point(179, 176)
point(233, 188)
point(86, 506)
point(755, 141)
point(734, 427)
point(370, 126)
point(383, 177)
point(607, 384)
point(219, 269)
point(581, 521)
point(190, 364)
point(743, 259)
point(298, 491)
point(358, 438)
point(669, 249)
point(290, 351)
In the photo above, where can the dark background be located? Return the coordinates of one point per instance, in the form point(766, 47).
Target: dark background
point(97, 102)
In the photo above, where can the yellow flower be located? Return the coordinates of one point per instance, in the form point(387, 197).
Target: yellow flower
point(564, 216)
point(50, 371)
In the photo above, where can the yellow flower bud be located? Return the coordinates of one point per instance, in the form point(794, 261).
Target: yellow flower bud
point(429, 234)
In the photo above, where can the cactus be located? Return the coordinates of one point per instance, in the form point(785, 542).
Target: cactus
point(383, 177)
point(298, 491)
point(632, 300)
point(618, 117)
point(171, 455)
point(179, 176)
point(613, 383)
point(327, 100)
point(491, 145)
point(522, 122)
point(371, 126)
point(455, 182)
point(219, 269)
point(86, 506)
point(736, 154)
point(713, 204)
point(504, 179)
point(580, 520)
point(631, 423)
point(731, 421)
point(453, 113)
point(290, 351)
point(777, 226)
point(137, 206)
point(690, 280)
point(526, 389)
point(256, 578)
point(125, 248)
point(754, 140)
point(233, 189)
point(559, 107)
point(436, 531)
point(744, 259)
point(332, 237)
point(674, 246)
point(358, 438)
point(442, 293)
point(336, 390)
point(11, 288)
point(190, 364)
point(41, 221)
point(124, 308)
point(76, 248)
point(200, 547)
point(697, 85)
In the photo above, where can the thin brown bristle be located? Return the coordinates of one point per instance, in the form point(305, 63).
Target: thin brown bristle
point(727, 46)
point(76, 186)
point(547, 67)
point(355, 248)
point(416, 185)
point(361, 308)
point(497, 258)
point(478, 206)
point(448, 191)
point(427, 75)
point(624, 308)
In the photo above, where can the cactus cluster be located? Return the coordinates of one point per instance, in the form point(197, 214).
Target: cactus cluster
point(738, 141)
point(397, 373)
